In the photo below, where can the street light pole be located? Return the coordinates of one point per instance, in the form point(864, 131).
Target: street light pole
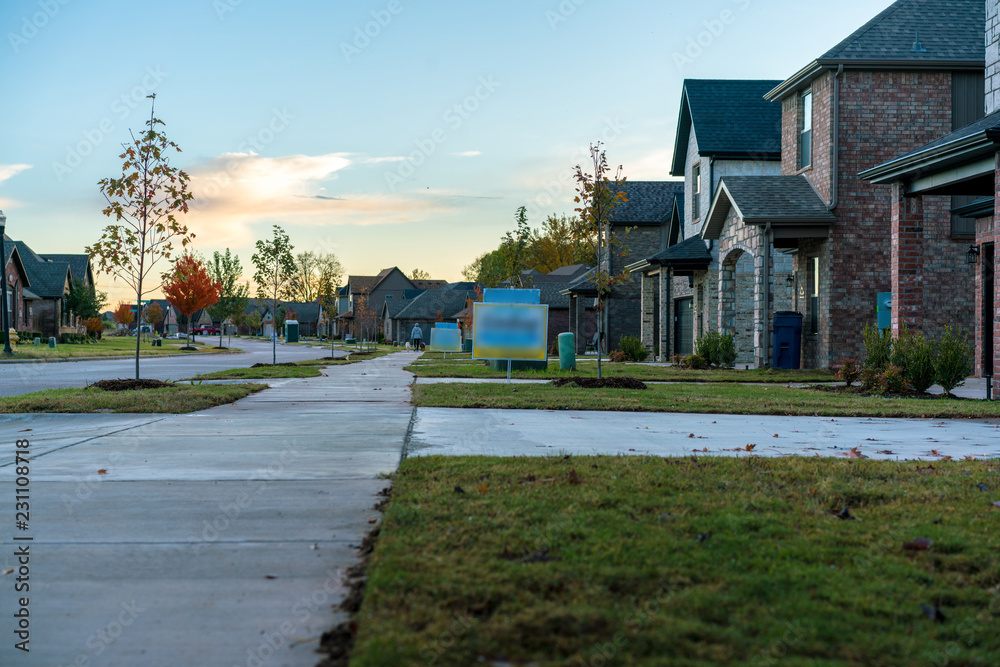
point(7, 351)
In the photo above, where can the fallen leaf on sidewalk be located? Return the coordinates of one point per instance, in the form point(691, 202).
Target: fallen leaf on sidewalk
point(750, 448)
point(8, 571)
point(886, 451)
point(102, 471)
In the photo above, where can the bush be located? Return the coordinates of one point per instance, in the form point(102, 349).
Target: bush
point(954, 359)
point(29, 336)
point(695, 361)
point(717, 349)
point(618, 357)
point(633, 348)
point(73, 338)
point(878, 348)
point(871, 380)
point(893, 380)
point(916, 358)
point(850, 371)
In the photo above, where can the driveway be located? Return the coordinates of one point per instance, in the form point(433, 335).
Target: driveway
point(23, 378)
point(215, 538)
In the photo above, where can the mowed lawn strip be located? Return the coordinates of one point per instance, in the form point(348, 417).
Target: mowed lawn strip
point(111, 346)
point(649, 561)
point(716, 398)
point(169, 400)
point(434, 367)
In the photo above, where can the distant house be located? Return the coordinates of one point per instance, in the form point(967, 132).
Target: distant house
point(306, 314)
point(390, 283)
point(19, 299)
point(51, 281)
point(428, 308)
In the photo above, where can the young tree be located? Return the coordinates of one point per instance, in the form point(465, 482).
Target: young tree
point(328, 302)
point(94, 325)
point(123, 314)
point(86, 302)
point(275, 271)
point(514, 249)
point(144, 204)
point(153, 315)
point(598, 195)
point(189, 287)
point(556, 245)
point(419, 274)
point(310, 270)
point(253, 321)
point(234, 296)
point(366, 317)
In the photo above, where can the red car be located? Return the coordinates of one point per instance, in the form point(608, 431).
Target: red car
point(206, 331)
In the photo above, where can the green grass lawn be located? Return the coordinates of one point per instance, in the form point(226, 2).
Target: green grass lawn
point(432, 365)
point(308, 368)
point(169, 400)
point(109, 346)
point(694, 398)
point(648, 561)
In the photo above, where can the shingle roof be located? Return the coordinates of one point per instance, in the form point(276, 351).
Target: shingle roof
point(688, 251)
point(571, 271)
point(304, 312)
point(584, 285)
point(951, 30)
point(47, 278)
point(78, 264)
point(428, 284)
point(761, 199)
point(358, 284)
point(551, 294)
point(649, 202)
point(731, 119)
point(392, 307)
point(426, 306)
point(460, 287)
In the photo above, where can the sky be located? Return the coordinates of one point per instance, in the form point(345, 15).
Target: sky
point(390, 132)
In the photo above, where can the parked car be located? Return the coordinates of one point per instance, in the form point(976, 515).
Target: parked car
point(206, 330)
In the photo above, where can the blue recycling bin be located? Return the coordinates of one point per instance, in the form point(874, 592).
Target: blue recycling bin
point(788, 340)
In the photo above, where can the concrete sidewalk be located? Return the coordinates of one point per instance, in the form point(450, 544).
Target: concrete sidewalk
point(456, 432)
point(215, 538)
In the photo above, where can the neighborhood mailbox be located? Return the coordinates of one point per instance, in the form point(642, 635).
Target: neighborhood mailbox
point(510, 331)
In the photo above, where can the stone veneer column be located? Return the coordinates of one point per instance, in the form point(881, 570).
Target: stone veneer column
point(907, 260)
point(666, 305)
point(760, 277)
point(648, 310)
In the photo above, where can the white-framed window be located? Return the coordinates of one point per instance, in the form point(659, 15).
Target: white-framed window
point(696, 192)
point(805, 133)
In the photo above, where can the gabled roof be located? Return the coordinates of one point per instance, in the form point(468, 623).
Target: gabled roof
point(358, 284)
point(731, 120)
point(909, 34)
point(690, 254)
point(12, 250)
point(392, 307)
point(649, 203)
point(428, 284)
point(304, 312)
point(571, 271)
point(79, 266)
point(763, 199)
point(582, 286)
point(48, 279)
point(426, 306)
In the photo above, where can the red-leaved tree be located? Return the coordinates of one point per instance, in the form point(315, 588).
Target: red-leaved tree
point(123, 314)
point(189, 287)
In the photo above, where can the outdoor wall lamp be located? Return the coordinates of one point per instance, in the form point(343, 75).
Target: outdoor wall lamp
point(972, 257)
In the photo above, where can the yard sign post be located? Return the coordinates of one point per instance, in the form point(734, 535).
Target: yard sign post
point(510, 324)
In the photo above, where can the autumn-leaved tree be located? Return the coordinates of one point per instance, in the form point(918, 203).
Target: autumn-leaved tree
point(234, 297)
point(419, 274)
point(275, 271)
point(312, 270)
point(328, 303)
point(153, 315)
point(598, 194)
point(123, 315)
point(144, 204)
point(366, 317)
point(189, 287)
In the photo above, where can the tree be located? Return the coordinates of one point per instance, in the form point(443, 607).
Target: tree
point(234, 296)
point(419, 274)
point(311, 268)
point(556, 245)
point(86, 302)
point(514, 249)
point(189, 287)
point(144, 204)
point(253, 321)
point(275, 271)
point(123, 314)
point(598, 195)
point(366, 317)
point(94, 325)
point(328, 302)
point(487, 269)
point(153, 315)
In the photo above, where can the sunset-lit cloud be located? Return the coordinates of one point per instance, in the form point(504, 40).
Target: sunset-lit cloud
point(11, 170)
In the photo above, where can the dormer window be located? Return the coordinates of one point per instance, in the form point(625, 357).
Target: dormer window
point(696, 192)
point(805, 133)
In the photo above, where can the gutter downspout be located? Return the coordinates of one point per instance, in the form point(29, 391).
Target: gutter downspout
point(835, 149)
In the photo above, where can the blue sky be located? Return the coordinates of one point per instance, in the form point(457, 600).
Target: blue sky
point(392, 132)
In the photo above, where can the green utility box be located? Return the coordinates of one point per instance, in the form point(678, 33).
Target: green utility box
point(291, 331)
point(52, 342)
point(567, 352)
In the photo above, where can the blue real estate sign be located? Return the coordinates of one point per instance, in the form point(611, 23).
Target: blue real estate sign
point(510, 331)
point(446, 339)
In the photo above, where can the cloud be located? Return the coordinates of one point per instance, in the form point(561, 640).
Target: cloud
point(11, 170)
point(468, 154)
point(381, 160)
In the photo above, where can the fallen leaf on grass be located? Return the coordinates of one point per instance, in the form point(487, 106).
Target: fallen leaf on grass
point(996, 503)
point(704, 537)
point(919, 544)
point(855, 453)
point(574, 478)
point(539, 557)
point(982, 487)
point(482, 488)
point(934, 613)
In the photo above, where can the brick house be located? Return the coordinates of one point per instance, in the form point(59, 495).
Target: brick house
point(646, 215)
point(19, 299)
point(724, 128)
point(965, 166)
point(390, 283)
point(900, 81)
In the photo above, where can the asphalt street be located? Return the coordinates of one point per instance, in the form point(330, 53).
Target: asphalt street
point(26, 377)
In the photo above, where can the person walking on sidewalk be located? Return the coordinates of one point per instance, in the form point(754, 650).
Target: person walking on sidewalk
point(416, 335)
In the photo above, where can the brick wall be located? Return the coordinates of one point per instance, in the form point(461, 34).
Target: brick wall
point(624, 309)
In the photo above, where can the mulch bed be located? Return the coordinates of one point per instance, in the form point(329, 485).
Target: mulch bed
point(857, 391)
point(286, 363)
point(130, 385)
point(617, 382)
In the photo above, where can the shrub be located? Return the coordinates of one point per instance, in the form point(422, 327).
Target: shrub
point(850, 371)
point(695, 361)
point(918, 362)
point(618, 357)
point(633, 348)
point(954, 359)
point(717, 349)
point(893, 380)
point(878, 348)
point(871, 380)
point(72, 338)
point(29, 335)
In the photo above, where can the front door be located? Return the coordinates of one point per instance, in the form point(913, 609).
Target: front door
point(684, 326)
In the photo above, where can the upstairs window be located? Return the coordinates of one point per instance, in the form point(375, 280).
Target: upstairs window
point(696, 192)
point(805, 134)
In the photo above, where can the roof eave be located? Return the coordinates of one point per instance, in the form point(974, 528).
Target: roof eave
point(791, 220)
point(679, 162)
point(635, 267)
point(959, 149)
point(765, 156)
point(798, 80)
point(792, 83)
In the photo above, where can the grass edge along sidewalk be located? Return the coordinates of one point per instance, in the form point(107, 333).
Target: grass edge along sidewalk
point(308, 368)
point(703, 398)
point(110, 348)
point(627, 560)
point(179, 399)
